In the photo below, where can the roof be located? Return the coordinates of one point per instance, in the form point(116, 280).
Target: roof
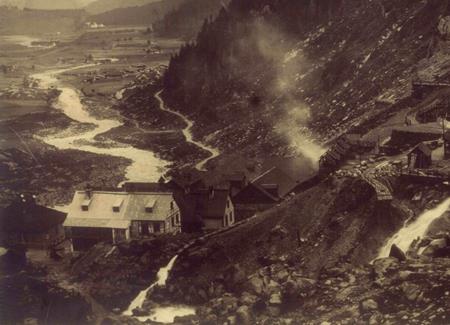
point(133, 207)
point(276, 176)
point(206, 205)
point(28, 217)
point(423, 147)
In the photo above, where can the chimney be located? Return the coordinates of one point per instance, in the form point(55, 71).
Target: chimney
point(88, 191)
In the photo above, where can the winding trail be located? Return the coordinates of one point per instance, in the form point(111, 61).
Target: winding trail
point(187, 132)
point(145, 165)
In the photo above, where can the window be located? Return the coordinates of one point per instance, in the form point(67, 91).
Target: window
point(171, 205)
point(150, 206)
point(173, 221)
point(178, 219)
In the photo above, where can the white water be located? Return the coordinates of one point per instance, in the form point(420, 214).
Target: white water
point(405, 236)
point(187, 132)
point(145, 165)
point(159, 314)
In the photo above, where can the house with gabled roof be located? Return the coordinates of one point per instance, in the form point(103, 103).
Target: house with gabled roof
point(263, 192)
point(211, 207)
point(96, 216)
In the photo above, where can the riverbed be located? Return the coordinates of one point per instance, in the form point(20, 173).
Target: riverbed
point(145, 166)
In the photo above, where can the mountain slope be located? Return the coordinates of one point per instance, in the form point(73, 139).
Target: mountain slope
point(137, 15)
point(31, 22)
point(321, 64)
point(186, 20)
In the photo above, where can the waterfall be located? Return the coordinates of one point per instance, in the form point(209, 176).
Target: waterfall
point(411, 231)
point(159, 314)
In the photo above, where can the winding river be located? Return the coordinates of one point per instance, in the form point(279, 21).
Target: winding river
point(145, 165)
point(187, 132)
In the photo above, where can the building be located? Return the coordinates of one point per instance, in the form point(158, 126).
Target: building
point(212, 208)
point(263, 192)
point(447, 145)
point(420, 157)
point(96, 216)
point(26, 223)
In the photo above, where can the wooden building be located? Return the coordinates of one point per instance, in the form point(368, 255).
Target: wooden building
point(96, 216)
point(211, 207)
point(420, 157)
point(447, 145)
point(26, 223)
point(263, 192)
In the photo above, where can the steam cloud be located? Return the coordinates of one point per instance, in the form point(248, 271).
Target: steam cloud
point(289, 64)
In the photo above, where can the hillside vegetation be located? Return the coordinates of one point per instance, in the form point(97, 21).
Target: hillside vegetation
point(323, 64)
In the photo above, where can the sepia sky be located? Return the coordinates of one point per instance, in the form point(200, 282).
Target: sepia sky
point(47, 4)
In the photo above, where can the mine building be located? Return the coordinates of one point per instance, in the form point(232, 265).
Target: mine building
point(96, 216)
point(210, 208)
point(26, 223)
point(420, 157)
point(447, 145)
point(263, 192)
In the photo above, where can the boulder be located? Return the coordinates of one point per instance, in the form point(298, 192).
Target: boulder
point(244, 316)
point(434, 246)
point(139, 312)
point(255, 285)
point(411, 291)
point(275, 299)
point(368, 305)
point(248, 299)
point(397, 253)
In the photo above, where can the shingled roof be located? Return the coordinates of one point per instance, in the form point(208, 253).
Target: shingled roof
point(275, 176)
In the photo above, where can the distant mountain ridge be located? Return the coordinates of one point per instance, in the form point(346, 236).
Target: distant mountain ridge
point(138, 15)
point(101, 6)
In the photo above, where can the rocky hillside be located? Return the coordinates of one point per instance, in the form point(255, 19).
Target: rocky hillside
point(307, 261)
point(325, 65)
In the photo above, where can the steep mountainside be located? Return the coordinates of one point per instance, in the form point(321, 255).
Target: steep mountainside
point(186, 20)
point(274, 63)
point(145, 14)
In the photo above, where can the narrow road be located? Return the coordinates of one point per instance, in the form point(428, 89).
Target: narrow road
point(187, 132)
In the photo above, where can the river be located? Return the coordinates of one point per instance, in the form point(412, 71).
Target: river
point(144, 167)
point(187, 132)
point(413, 230)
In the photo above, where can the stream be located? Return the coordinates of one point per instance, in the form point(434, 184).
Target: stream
point(145, 165)
point(411, 231)
point(162, 314)
point(187, 132)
